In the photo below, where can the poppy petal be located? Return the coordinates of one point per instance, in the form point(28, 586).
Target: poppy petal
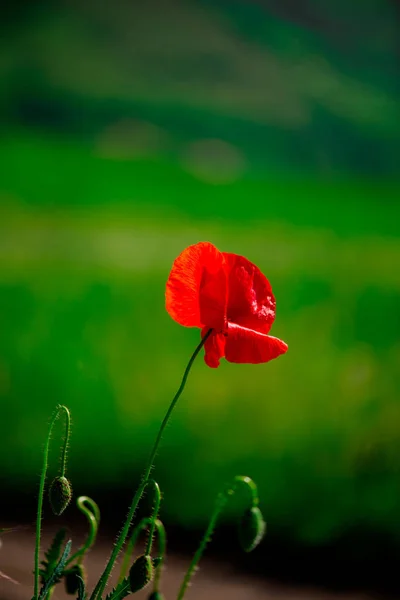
point(196, 287)
point(251, 302)
point(248, 346)
point(213, 296)
point(214, 348)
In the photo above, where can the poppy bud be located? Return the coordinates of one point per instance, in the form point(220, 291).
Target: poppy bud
point(141, 573)
point(156, 596)
point(60, 495)
point(252, 528)
point(72, 577)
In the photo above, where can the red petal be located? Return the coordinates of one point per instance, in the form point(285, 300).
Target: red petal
point(251, 302)
point(214, 348)
point(196, 287)
point(247, 346)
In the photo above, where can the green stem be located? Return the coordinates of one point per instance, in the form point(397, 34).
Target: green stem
point(145, 522)
point(222, 499)
point(66, 441)
point(162, 543)
point(130, 547)
point(54, 418)
point(248, 483)
point(50, 593)
point(154, 516)
point(98, 590)
point(220, 504)
point(92, 513)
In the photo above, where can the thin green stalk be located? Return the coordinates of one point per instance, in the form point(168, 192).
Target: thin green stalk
point(54, 418)
point(92, 513)
point(162, 544)
point(145, 522)
point(50, 593)
point(154, 516)
point(220, 504)
point(130, 547)
point(98, 590)
point(249, 484)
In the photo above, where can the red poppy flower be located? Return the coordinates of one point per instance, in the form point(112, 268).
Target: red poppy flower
point(228, 294)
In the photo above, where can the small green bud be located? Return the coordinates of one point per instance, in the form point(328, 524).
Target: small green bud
point(60, 495)
point(71, 578)
point(252, 528)
point(156, 596)
point(141, 573)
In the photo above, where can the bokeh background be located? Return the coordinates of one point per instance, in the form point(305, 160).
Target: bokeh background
point(271, 128)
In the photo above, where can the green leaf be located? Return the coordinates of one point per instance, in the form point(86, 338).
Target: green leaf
point(52, 556)
point(122, 590)
point(55, 576)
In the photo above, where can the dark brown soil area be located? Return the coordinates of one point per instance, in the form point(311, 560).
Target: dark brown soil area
point(213, 581)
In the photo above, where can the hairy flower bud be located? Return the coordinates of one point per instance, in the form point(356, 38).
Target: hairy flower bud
point(71, 578)
point(60, 495)
point(141, 573)
point(251, 529)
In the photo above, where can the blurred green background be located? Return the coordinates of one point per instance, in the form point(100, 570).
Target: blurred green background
point(271, 129)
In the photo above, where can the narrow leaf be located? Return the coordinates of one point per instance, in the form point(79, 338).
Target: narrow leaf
point(52, 556)
point(57, 572)
point(122, 590)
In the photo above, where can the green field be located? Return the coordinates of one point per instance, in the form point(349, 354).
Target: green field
point(86, 244)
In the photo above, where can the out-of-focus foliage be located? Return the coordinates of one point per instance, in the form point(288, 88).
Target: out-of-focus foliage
point(295, 85)
point(133, 132)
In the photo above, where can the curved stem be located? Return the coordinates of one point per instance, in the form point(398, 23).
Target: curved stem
point(130, 547)
point(54, 418)
point(220, 504)
point(162, 543)
point(125, 529)
point(145, 522)
point(154, 516)
point(92, 513)
point(66, 441)
point(250, 486)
